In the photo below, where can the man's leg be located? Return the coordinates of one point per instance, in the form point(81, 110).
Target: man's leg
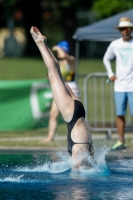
point(121, 103)
point(120, 144)
point(121, 127)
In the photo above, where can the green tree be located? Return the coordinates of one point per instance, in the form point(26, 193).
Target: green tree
point(57, 19)
point(106, 8)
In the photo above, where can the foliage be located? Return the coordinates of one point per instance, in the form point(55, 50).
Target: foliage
point(106, 8)
point(57, 19)
point(8, 7)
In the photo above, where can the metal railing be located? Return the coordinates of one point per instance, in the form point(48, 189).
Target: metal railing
point(99, 104)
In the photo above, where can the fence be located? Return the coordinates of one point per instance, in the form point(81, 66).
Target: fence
point(99, 104)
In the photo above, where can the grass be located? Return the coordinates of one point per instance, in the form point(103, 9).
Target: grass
point(33, 68)
point(34, 143)
point(22, 69)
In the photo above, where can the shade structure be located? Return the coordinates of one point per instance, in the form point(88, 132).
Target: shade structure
point(102, 30)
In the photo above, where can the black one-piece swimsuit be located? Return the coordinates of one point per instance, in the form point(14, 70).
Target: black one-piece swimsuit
point(79, 112)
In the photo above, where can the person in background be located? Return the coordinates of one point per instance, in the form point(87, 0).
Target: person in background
point(122, 50)
point(67, 67)
point(80, 144)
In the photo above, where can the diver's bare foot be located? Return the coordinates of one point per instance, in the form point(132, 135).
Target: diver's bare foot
point(36, 35)
point(47, 139)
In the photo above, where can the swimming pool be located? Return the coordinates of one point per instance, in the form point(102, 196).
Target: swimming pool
point(47, 175)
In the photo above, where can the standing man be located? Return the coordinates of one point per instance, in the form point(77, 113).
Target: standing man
point(67, 67)
point(122, 50)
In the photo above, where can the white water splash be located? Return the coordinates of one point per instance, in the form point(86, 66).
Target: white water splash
point(12, 179)
point(100, 162)
point(98, 165)
point(50, 167)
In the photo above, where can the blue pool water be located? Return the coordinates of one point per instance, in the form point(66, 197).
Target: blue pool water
point(48, 175)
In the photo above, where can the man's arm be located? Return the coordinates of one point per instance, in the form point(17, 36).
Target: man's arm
point(108, 56)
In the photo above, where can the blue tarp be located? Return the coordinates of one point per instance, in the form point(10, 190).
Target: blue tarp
point(102, 30)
